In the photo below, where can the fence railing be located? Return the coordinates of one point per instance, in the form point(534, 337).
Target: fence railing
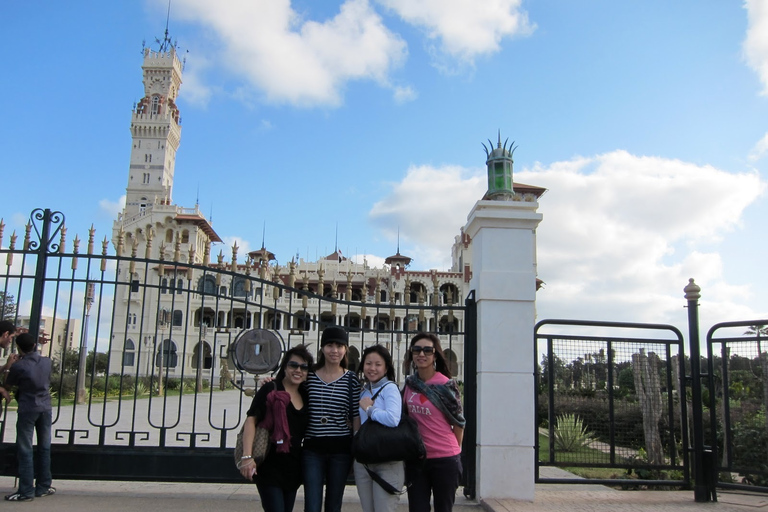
point(611, 403)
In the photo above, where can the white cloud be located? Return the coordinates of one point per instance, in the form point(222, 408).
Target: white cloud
point(620, 237)
point(404, 94)
point(292, 60)
point(756, 42)
point(622, 234)
point(243, 248)
point(465, 29)
point(112, 208)
point(760, 149)
point(195, 91)
point(429, 206)
point(372, 260)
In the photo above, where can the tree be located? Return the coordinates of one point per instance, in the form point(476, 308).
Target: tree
point(70, 362)
point(7, 306)
point(100, 367)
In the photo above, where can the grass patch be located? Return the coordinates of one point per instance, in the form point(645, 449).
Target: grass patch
point(584, 454)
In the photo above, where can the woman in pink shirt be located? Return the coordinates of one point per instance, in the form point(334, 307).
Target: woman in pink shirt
point(432, 398)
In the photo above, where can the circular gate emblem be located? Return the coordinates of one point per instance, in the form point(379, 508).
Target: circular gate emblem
point(257, 351)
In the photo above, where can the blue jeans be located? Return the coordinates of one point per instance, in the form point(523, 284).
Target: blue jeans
point(38, 471)
point(331, 469)
point(276, 499)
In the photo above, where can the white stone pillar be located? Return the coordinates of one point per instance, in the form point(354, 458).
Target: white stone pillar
point(503, 235)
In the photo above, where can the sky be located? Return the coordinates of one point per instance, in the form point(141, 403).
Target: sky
point(312, 124)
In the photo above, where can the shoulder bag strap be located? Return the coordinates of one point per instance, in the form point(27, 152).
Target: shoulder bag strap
point(382, 483)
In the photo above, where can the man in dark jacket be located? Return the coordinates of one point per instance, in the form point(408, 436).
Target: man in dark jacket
point(31, 373)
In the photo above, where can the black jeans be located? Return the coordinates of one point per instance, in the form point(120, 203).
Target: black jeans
point(276, 499)
point(437, 477)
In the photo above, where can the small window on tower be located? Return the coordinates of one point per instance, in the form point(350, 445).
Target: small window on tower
point(155, 105)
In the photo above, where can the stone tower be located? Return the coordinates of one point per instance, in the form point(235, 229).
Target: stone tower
point(155, 132)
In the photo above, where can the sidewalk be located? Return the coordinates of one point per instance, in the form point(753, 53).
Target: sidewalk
point(97, 496)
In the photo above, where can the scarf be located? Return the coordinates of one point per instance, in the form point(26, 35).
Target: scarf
point(445, 397)
point(276, 420)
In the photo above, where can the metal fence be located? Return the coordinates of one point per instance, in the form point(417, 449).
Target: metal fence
point(142, 388)
point(610, 401)
point(737, 383)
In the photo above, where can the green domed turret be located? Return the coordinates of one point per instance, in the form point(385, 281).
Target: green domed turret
point(499, 162)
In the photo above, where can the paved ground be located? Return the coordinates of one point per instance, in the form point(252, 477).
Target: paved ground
point(90, 496)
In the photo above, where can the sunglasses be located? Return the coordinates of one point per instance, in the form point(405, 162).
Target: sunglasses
point(301, 366)
point(427, 350)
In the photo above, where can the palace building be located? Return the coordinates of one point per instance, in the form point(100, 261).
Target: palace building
point(189, 309)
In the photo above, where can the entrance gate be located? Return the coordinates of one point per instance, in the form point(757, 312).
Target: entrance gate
point(608, 400)
point(143, 387)
point(737, 380)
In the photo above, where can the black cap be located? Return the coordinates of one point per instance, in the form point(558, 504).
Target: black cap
point(334, 334)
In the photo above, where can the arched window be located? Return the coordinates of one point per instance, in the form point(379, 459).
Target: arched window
point(207, 284)
point(169, 357)
point(273, 320)
point(238, 287)
point(448, 324)
point(129, 353)
point(203, 357)
point(178, 318)
point(185, 236)
point(353, 322)
point(179, 286)
point(302, 321)
point(155, 108)
point(164, 285)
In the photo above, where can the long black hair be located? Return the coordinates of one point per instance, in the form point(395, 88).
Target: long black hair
point(385, 355)
point(441, 365)
point(298, 351)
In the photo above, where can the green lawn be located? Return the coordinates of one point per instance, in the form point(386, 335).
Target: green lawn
point(583, 455)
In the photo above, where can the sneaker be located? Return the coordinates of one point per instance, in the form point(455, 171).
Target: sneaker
point(47, 492)
point(17, 496)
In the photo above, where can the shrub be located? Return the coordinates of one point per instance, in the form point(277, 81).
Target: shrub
point(570, 433)
point(750, 449)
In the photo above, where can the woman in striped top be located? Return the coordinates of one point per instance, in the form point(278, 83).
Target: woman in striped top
point(333, 417)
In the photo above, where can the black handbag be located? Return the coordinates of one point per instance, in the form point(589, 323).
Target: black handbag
point(376, 443)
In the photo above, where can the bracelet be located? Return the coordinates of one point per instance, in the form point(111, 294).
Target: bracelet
point(244, 457)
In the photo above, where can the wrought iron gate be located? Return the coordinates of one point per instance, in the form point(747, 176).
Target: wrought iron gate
point(611, 396)
point(737, 382)
point(152, 399)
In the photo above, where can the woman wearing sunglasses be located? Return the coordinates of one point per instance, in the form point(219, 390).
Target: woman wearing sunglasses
point(282, 403)
point(433, 400)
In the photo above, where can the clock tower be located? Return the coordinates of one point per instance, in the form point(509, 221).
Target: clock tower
point(155, 132)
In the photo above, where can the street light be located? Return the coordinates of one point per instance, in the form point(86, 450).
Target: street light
point(80, 399)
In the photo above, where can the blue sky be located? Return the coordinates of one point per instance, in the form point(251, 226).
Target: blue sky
point(647, 121)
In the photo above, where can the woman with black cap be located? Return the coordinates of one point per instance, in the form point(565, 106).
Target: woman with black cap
point(333, 418)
